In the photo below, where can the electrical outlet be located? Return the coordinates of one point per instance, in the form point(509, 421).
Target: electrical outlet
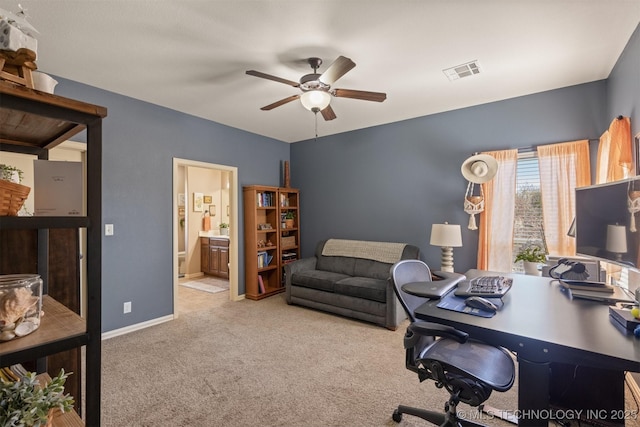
point(108, 229)
point(127, 307)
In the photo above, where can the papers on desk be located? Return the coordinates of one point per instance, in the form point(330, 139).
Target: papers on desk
point(618, 295)
point(454, 303)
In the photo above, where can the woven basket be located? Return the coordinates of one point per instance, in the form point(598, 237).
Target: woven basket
point(12, 197)
point(288, 242)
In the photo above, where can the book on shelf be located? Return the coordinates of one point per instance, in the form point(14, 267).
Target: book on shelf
point(260, 284)
point(264, 259)
point(265, 199)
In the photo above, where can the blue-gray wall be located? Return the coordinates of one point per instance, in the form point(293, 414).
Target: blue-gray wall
point(140, 141)
point(623, 84)
point(392, 182)
point(383, 183)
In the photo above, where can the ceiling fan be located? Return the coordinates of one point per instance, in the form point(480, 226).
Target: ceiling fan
point(316, 88)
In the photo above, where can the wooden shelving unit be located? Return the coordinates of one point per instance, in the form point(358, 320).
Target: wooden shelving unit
point(288, 235)
point(33, 122)
point(263, 232)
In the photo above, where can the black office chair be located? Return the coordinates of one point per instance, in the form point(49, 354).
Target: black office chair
point(469, 370)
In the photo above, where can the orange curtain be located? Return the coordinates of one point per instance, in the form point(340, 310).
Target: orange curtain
point(495, 240)
point(563, 167)
point(614, 160)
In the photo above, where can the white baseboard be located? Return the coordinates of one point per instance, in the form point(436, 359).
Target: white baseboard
point(136, 327)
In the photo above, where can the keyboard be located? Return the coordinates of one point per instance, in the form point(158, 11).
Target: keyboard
point(484, 286)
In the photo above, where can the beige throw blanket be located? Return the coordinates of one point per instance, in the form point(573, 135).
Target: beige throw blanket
point(389, 253)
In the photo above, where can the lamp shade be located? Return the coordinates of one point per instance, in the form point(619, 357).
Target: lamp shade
point(446, 235)
point(572, 228)
point(617, 239)
point(315, 100)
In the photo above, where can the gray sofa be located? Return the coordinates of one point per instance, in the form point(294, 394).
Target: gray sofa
point(349, 278)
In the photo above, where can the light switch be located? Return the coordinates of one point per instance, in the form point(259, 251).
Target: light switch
point(108, 229)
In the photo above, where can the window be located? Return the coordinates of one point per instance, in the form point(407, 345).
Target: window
point(528, 205)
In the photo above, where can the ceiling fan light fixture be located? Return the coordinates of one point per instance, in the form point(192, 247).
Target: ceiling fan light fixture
point(315, 100)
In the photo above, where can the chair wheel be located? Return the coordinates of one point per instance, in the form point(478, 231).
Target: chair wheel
point(397, 416)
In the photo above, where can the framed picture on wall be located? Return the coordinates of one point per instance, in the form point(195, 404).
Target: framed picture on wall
point(181, 199)
point(212, 210)
point(197, 202)
point(208, 199)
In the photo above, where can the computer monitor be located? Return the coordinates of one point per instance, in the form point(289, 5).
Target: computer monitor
point(608, 222)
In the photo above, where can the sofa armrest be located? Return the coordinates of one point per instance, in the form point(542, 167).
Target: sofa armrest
point(293, 267)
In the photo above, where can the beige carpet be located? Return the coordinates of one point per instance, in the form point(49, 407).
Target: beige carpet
point(265, 363)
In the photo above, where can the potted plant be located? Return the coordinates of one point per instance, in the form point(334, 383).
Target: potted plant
point(26, 403)
point(11, 173)
point(289, 219)
point(224, 229)
point(531, 255)
point(14, 194)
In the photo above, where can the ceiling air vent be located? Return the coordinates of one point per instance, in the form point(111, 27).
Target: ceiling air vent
point(463, 70)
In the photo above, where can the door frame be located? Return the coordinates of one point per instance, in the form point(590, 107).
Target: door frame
point(233, 225)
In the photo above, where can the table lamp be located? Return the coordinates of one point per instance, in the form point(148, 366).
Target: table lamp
point(447, 236)
point(617, 240)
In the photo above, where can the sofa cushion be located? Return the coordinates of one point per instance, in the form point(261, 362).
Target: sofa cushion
point(373, 269)
point(337, 264)
point(317, 279)
point(363, 287)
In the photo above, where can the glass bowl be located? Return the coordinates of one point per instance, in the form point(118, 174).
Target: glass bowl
point(20, 305)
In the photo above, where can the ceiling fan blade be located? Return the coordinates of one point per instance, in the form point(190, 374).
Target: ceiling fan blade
point(360, 94)
point(279, 103)
point(328, 113)
point(339, 68)
point(274, 78)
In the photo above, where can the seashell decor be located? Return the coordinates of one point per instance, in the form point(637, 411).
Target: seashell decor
point(20, 305)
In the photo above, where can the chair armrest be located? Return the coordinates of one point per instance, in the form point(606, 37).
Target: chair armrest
point(447, 275)
point(435, 329)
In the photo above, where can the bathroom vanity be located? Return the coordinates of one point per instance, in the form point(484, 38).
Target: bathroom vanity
point(214, 253)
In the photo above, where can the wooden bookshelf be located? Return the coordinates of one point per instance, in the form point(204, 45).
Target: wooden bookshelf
point(264, 208)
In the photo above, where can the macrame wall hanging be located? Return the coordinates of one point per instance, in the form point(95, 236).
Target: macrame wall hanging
point(473, 204)
point(477, 169)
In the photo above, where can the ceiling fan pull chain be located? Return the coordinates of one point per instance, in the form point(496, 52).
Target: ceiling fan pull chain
point(316, 118)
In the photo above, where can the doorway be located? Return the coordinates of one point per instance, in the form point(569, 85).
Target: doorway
point(178, 188)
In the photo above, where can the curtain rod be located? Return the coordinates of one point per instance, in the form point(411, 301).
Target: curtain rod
point(531, 148)
point(535, 147)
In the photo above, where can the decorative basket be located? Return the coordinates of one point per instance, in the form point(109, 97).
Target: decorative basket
point(12, 197)
point(288, 241)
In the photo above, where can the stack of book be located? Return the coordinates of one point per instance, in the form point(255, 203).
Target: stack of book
point(584, 285)
point(288, 257)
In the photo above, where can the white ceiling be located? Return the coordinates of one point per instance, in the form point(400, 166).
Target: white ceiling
point(191, 55)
